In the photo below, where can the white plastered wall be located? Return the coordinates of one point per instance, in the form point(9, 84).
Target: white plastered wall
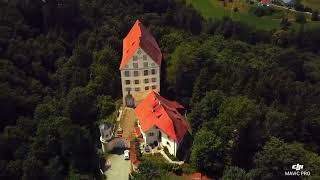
point(169, 143)
point(142, 93)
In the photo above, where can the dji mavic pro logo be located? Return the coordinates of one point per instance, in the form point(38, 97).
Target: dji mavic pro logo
point(298, 171)
point(297, 167)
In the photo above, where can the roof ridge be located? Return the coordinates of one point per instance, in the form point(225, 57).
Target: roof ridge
point(168, 114)
point(156, 110)
point(145, 41)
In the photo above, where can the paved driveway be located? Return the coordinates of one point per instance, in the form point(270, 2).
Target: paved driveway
point(119, 169)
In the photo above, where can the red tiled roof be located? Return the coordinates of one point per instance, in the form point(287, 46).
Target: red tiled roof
point(157, 111)
point(138, 132)
point(139, 36)
point(199, 176)
point(266, 2)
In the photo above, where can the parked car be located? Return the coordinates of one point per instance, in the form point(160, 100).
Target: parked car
point(126, 154)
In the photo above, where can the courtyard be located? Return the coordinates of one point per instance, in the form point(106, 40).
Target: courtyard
point(119, 169)
point(127, 123)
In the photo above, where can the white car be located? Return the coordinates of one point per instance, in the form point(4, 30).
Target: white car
point(126, 155)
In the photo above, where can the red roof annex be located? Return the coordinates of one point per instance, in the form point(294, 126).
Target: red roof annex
point(157, 111)
point(266, 2)
point(139, 36)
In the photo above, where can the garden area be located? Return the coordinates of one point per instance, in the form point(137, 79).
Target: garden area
point(156, 166)
point(264, 18)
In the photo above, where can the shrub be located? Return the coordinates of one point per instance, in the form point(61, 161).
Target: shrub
point(235, 9)
point(187, 168)
point(300, 18)
point(138, 151)
point(315, 15)
point(261, 11)
point(177, 169)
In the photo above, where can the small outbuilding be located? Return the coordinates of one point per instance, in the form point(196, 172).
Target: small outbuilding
point(106, 133)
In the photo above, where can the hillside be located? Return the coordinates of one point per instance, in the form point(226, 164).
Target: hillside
point(251, 95)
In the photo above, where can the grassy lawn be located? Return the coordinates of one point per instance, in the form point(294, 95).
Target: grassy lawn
point(217, 9)
point(314, 4)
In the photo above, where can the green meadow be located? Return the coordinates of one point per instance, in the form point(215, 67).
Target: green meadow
point(217, 9)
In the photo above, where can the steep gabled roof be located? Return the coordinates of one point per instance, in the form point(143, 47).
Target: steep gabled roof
point(139, 36)
point(157, 111)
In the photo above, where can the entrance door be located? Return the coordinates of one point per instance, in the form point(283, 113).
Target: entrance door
point(159, 137)
point(129, 100)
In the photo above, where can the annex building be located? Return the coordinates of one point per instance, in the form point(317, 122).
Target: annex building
point(161, 122)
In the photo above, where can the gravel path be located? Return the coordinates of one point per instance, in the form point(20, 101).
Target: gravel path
point(127, 123)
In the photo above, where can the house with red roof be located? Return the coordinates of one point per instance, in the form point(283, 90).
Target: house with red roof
point(161, 122)
point(266, 2)
point(140, 65)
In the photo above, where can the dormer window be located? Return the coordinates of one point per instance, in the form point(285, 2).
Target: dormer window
point(135, 58)
point(159, 116)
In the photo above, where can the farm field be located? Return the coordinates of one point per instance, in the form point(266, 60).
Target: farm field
point(217, 9)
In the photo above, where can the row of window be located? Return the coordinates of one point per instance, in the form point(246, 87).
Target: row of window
point(146, 88)
point(145, 65)
point(144, 57)
point(136, 73)
point(137, 81)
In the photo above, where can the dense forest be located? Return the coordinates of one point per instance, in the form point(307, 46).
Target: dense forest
point(253, 97)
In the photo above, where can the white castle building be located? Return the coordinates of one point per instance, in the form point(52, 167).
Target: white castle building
point(140, 65)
